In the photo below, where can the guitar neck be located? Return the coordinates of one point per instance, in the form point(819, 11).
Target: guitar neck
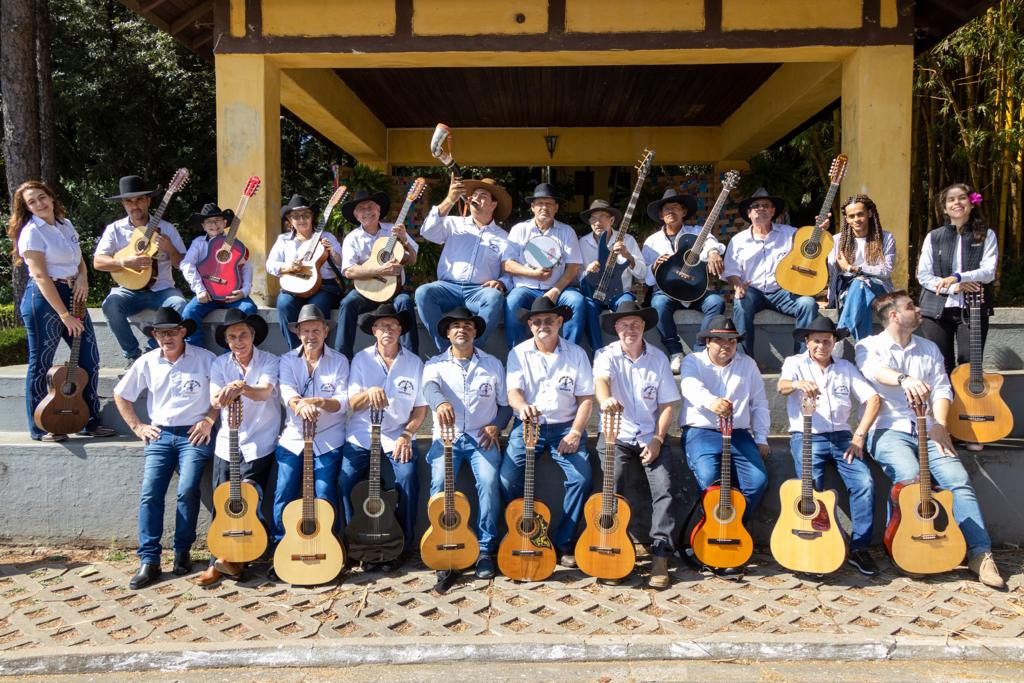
point(308, 483)
point(449, 482)
point(236, 220)
point(977, 346)
point(617, 235)
point(236, 464)
point(528, 477)
point(608, 490)
point(710, 221)
point(375, 454)
point(806, 480)
point(826, 205)
point(157, 216)
point(925, 476)
point(725, 478)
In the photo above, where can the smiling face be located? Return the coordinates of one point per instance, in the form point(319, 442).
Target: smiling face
point(857, 217)
point(672, 214)
point(956, 204)
point(40, 203)
point(239, 338)
point(214, 226)
point(601, 221)
point(367, 212)
point(820, 345)
point(545, 326)
point(312, 334)
point(630, 330)
point(761, 212)
point(301, 221)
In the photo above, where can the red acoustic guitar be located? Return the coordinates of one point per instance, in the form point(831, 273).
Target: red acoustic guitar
point(221, 270)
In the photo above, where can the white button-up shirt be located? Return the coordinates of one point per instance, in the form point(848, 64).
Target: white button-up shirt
point(401, 384)
point(522, 233)
point(117, 236)
point(838, 383)
point(551, 381)
point(882, 270)
point(589, 251)
point(754, 260)
point(702, 382)
point(659, 244)
point(178, 392)
point(471, 255)
point(328, 380)
point(474, 392)
point(57, 243)
point(197, 251)
point(261, 420)
point(358, 244)
point(985, 272)
point(640, 385)
point(288, 247)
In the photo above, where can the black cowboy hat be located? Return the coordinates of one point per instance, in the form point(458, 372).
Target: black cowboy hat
point(296, 202)
point(234, 316)
point(307, 313)
point(211, 211)
point(543, 191)
point(625, 310)
point(131, 186)
point(498, 193)
point(404, 318)
point(541, 305)
point(721, 327)
point(821, 324)
point(599, 205)
point(381, 199)
point(761, 193)
point(167, 319)
point(460, 313)
point(672, 196)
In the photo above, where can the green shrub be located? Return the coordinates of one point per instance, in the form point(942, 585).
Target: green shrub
point(13, 346)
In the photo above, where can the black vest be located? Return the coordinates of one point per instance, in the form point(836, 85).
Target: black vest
point(944, 241)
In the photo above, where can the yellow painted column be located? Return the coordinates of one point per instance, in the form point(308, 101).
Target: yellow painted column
point(249, 143)
point(876, 124)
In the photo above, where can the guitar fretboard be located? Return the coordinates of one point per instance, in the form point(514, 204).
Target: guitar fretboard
point(608, 500)
point(449, 482)
point(235, 465)
point(976, 383)
point(528, 477)
point(925, 477)
point(610, 239)
point(806, 480)
point(712, 219)
point(725, 482)
point(826, 206)
point(76, 346)
point(373, 477)
point(308, 489)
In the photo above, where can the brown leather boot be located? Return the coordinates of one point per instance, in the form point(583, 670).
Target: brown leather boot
point(208, 577)
point(659, 572)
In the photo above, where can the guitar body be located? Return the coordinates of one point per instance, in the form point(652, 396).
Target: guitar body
point(804, 270)
point(449, 544)
point(236, 535)
point(384, 288)
point(526, 554)
point(923, 546)
point(308, 559)
point(130, 278)
point(60, 413)
point(722, 543)
point(374, 534)
point(692, 284)
point(221, 270)
point(604, 549)
point(305, 281)
point(978, 417)
point(591, 283)
point(811, 543)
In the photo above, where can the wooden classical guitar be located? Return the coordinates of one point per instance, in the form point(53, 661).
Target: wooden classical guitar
point(63, 410)
point(526, 553)
point(449, 543)
point(978, 414)
point(719, 539)
point(804, 271)
point(309, 554)
point(374, 535)
point(384, 249)
point(236, 533)
point(302, 278)
point(221, 270)
point(141, 242)
point(806, 537)
point(605, 550)
point(922, 536)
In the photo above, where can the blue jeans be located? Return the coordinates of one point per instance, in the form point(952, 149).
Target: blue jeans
point(121, 303)
point(575, 466)
point(594, 310)
point(45, 330)
point(703, 449)
point(803, 308)
point(896, 452)
point(289, 484)
point(171, 451)
point(198, 311)
point(856, 475)
point(435, 299)
point(288, 306)
point(355, 304)
point(855, 311)
point(523, 297)
point(355, 461)
point(711, 304)
point(485, 466)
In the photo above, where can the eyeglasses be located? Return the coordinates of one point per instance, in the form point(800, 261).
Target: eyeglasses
point(761, 206)
point(166, 334)
point(546, 321)
point(387, 327)
point(301, 215)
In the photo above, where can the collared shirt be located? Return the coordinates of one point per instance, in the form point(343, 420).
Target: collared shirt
point(920, 359)
point(178, 392)
point(659, 244)
point(471, 255)
point(985, 273)
point(640, 385)
point(197, 251)
point(358, 244)
point(882, 270)
point(701, 382)
point(838, 383)
point(329, 379)
point(401, 384)
point(754, 260)
point(474, 391)
point(522, 233)
point(261, 420)
point(589, 252)
point(118, 235)
point(551, 381)
point(57, 243)
point(288, 246)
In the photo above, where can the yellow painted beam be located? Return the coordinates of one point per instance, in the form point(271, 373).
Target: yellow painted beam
point(615, 16)
point(889, 13)
point(474, 18)
point(332, 18)
point(740, 15)
point(236, 18)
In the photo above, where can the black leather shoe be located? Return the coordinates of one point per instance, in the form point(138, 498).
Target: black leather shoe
point(182, 562)
point(485, 568)
point(147, 574)
point(445, 580)
point(729, 572)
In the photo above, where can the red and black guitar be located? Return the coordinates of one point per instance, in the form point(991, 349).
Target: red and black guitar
point(221, 270)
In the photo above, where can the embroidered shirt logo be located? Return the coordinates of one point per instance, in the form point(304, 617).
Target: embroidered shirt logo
point(190, 386)
point(566, 383)
point(327, 388)
point(405, 387)
point(650, 392)
point(485, 390)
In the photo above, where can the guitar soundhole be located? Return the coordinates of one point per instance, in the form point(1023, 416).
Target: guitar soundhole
point(691, 259)
point(927, 511)
point(810, 250)
point(806, 508)
point(451, 521)
point(373, 508)
point(976, 388)
point(527, 527)
point(606, 522)
point(384, 257)
point(223, 256)
point(236, 508)
point(69, 389)
point(307, 527)
point(724, 516)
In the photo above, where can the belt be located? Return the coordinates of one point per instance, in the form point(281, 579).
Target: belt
point(69, 281)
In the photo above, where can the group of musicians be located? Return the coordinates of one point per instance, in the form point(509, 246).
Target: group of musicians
point(484, 282)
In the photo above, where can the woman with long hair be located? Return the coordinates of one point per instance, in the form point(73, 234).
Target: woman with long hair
point(46, 241)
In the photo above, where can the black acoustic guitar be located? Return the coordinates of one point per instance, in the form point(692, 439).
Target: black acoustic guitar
point(374, 535)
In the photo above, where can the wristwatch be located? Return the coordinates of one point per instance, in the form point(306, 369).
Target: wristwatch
point(899, 380)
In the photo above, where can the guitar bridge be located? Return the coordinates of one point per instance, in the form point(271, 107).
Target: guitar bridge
point(67, 411)
point(603, 550)
point(236, 533)
point(451, 546)
point(803, 533)
point(977, 418)
point(805, 271)
point(371, 536)
point(309, 558)
point(215, 279)
point(526, 553)
point(723, 541)
point(684, 276)
point(929, 537)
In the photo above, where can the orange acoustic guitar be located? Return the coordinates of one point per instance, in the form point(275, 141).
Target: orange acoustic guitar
point(526, 554)
point(449, 543)
point(64, 410)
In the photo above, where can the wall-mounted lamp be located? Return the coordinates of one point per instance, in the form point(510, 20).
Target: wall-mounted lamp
point(551, 141)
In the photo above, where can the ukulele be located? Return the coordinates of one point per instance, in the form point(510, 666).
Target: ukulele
point(606, 283)
point(63, 410)
point(448, 543)
point(804, 270)
point(302, 278)
point(141, 242)
point(221, 270)
point(384, 288)
point(605, 550)
point(978, 413)
point(374, 535)
point(236, 533)
point(719, 539)
point(526, 553)
point(309, 554)
point(683, 276)
point(922, 537)
point(806, 537)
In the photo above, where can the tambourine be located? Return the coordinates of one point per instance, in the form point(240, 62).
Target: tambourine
point(542, 252)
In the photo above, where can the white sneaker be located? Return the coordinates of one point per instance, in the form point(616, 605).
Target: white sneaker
point(676, 363)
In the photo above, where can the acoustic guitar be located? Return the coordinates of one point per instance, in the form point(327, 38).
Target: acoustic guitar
point(302, 278)
point(922, 536)
point(719, 539)
point(526, 553)
point(141, 242)
point(221, 270)
point(448, 543)
point(605, 550)
point(374, 535)
point(804, 270)
point(806, 537)
point(236, 533)
point(385, 249)
point(309, 554)
point(63, 410)
point(978, 414)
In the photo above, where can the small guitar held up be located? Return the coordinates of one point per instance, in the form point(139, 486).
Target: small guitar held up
point(221, 270)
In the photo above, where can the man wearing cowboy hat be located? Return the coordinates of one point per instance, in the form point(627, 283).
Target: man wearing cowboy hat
point(365, 210)
point(176, 377)
point(469, 269)
point(249, 375)
point(832, 385)
point(465, 387)
point(557, 282)
point(750, 263)
point(550, 380)
point(634, 379)
point(670, 211)
point(213, 221)
point(121, 302)
point(387, 377)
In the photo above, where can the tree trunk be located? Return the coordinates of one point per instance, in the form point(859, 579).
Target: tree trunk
point(44, 81)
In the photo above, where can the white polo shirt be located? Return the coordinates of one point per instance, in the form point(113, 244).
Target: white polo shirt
point(754, 260)
point(401, 385)
point(565, 236)
point(475, 391)
point(329, 379)
point(839, 383)
point(288, 247)
point(358, 244)
point(197, 251)
point(659, 244)
point(471, 255)
point(551, 381)
point(178, 392)
point(117, 236)
point(640, 385)
point(701, 382)
point(589, 252)
point(57, 243)
point(261, 420)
